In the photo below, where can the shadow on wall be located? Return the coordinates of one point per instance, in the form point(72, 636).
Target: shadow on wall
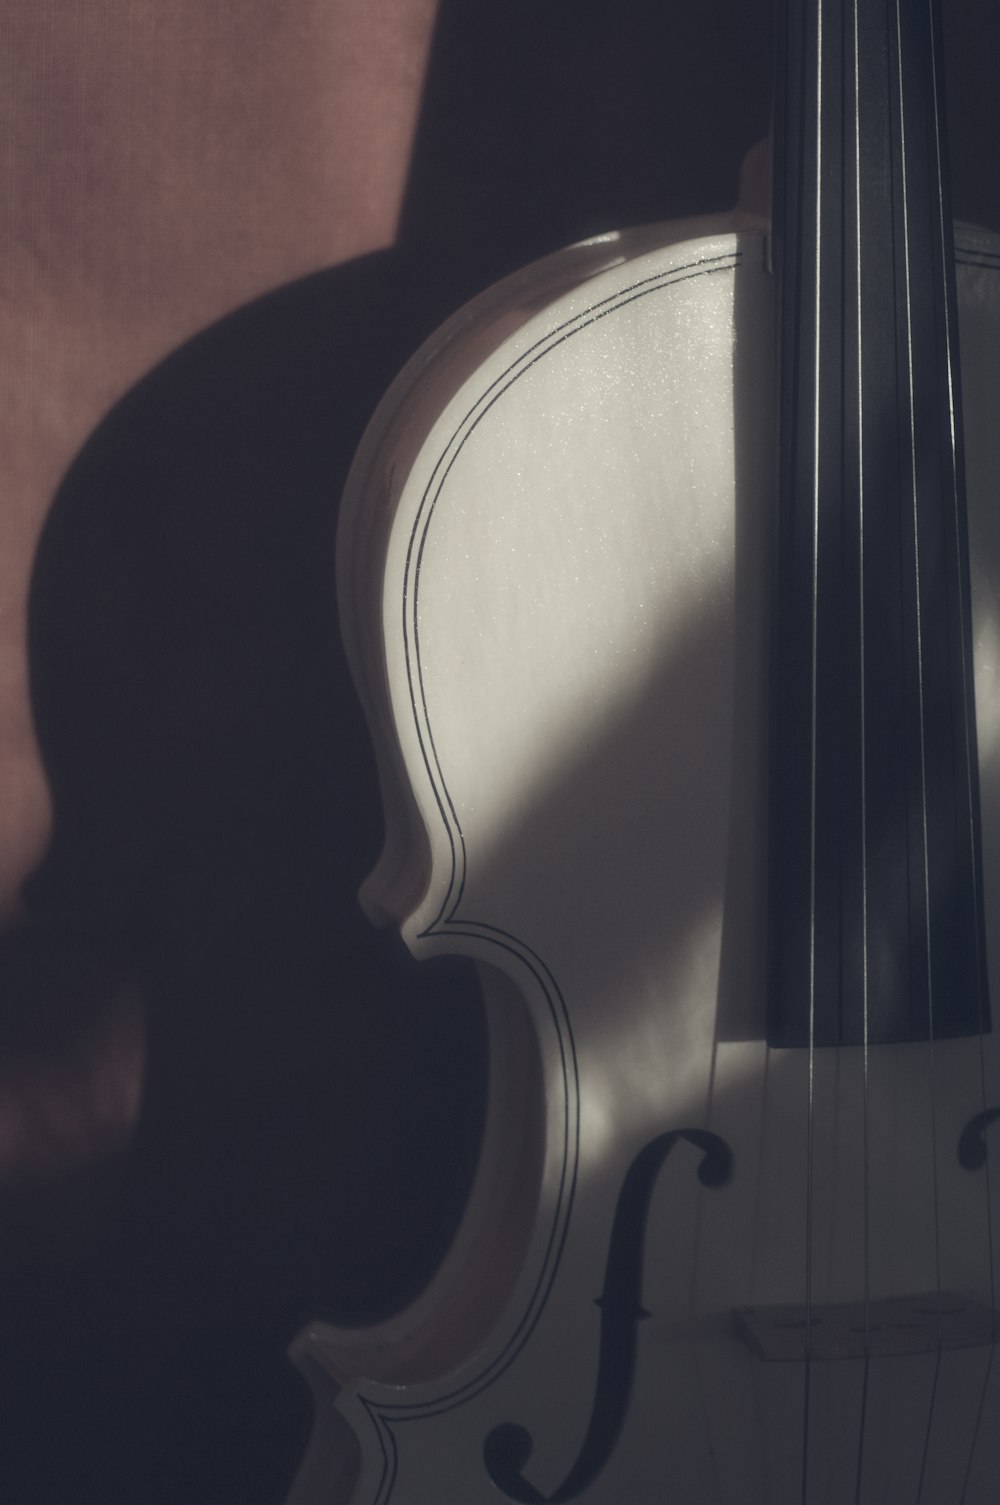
point(311, 1102)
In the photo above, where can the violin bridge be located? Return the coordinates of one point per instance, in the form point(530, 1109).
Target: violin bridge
point(903, 1325)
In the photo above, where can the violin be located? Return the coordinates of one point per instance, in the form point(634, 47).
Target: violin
point(668, 574)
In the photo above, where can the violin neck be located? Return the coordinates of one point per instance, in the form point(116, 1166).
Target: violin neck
point(876, 930)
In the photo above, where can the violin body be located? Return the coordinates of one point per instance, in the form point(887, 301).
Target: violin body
point(554, 567)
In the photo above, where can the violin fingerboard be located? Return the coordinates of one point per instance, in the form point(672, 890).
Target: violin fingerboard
point(876, 915)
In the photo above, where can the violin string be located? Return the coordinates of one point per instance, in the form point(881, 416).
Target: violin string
point(709, 1410)
point(866, 1063)
point(949, 367)
point(917, 616)
point(811, 1068)
point(929, 939)
point(980, 1412)
point(942, 208)
point(927, 1431)
point(928, 936)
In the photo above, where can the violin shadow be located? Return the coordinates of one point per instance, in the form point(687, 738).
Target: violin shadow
point(311, 1104)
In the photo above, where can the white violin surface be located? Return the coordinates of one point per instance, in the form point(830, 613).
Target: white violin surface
point(554, 573)
point(537, 714)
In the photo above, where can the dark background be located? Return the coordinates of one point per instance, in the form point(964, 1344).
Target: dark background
point(311, 1101)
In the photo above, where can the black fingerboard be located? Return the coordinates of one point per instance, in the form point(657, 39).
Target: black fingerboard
point(876, 920)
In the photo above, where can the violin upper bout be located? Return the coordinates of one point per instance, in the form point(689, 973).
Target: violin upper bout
point(478, 525)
